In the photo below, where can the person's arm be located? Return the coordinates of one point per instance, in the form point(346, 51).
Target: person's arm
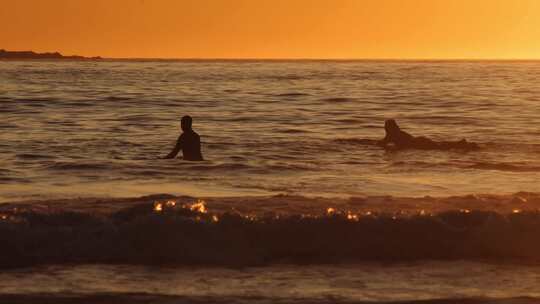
point(176, 149)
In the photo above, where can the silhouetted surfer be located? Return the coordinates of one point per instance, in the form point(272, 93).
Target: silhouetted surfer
point(189, 142)
point(398, 139)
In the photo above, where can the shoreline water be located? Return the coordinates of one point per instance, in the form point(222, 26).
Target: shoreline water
point(429, 282)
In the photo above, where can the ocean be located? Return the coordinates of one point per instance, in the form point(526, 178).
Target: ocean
point(98, 128)
point(298, 205)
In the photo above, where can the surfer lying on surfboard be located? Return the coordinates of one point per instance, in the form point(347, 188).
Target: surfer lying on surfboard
point(397, 139)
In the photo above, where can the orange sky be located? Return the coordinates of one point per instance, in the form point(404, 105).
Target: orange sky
point(274, 28)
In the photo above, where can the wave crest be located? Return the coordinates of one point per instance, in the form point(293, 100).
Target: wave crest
point(174, 231)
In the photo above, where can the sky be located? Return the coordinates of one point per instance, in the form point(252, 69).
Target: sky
point(340, 29)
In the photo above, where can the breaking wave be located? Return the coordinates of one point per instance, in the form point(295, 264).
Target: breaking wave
point(178, 231)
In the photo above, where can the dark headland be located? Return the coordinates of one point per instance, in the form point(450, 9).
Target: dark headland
point(33, 55)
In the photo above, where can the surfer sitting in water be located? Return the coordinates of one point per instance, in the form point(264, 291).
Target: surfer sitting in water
point(397, 139)
point(189, 142)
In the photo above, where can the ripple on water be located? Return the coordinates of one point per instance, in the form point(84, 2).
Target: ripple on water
point(268, 124)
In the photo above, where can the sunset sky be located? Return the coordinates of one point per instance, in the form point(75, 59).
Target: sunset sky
point(476, 29)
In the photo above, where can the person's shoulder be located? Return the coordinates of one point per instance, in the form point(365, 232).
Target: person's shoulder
point(192, 135)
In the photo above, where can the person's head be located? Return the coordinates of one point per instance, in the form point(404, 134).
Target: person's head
point(186, 122)
point(391, 126)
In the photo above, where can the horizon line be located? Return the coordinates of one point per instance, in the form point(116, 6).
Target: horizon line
point(317, 59)
point(99, 57)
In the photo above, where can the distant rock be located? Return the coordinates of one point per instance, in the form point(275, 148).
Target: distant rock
point(33, 55)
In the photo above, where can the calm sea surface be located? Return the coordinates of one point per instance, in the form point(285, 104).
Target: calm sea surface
point(72, 128)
